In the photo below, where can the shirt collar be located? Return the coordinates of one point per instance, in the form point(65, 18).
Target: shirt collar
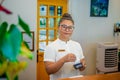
point(63, 42)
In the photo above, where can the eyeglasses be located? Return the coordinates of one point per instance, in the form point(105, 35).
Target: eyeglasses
point(69, 28)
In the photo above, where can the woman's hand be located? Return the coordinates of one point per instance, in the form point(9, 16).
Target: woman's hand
point(69, 57)
point(83, 63)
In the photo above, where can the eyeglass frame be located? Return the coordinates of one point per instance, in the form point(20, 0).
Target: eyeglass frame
point(69, 28)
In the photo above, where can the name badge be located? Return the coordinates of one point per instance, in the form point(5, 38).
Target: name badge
point(61, 50)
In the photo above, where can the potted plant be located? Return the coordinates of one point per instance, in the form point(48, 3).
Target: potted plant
point(12, 46)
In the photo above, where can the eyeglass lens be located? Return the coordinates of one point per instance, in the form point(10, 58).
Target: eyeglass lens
point(64, 27)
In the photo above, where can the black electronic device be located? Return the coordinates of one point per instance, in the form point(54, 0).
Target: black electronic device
point(78, 65)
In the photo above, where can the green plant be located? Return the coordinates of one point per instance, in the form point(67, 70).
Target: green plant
point(12, 46)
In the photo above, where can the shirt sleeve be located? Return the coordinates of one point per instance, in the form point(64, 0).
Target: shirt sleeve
point(81, 51)
point(49, 54)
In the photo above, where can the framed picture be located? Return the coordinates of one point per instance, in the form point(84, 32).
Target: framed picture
point(99, 8)
point(29, 40)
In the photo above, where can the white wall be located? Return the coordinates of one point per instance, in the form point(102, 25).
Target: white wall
point(90, 30)
point(27, 11)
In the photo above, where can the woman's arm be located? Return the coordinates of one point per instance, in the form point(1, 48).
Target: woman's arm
point(53, 67)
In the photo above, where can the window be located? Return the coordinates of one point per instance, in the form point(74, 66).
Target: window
point(48, 16)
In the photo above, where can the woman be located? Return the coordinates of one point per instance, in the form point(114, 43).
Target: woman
point(61, 54)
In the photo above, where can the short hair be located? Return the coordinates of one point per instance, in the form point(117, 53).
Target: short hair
point(66, 16)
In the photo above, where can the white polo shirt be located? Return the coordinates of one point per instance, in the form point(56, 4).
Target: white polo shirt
point(57, 50)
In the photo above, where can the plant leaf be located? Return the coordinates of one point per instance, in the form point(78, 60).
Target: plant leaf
point(3, 67)
point(12, 43)
point(3, 30)
point(14, 68)
point(24, 51)
point(5, 10)
point(24, 25)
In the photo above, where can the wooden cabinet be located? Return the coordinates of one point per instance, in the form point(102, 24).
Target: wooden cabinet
point(41, 72)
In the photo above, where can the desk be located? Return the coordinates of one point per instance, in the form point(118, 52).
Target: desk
point(110, 76)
